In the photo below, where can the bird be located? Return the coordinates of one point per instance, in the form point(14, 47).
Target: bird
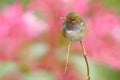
point(74, 27)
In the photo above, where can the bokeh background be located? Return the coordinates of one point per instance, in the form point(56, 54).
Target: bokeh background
point(32, 47)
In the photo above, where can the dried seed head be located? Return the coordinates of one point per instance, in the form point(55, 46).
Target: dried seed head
point(74, 27)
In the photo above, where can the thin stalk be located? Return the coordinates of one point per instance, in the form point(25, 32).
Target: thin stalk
point(67, 59)
point(85, 57)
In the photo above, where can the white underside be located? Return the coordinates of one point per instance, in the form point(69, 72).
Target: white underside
point(74, 35)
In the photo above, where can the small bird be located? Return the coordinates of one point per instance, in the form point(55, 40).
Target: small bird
point(74, 27)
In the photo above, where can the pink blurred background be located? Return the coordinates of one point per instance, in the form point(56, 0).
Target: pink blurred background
point(32, 47)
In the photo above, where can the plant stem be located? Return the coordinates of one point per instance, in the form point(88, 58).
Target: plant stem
point(85, 57)
point(67, 59)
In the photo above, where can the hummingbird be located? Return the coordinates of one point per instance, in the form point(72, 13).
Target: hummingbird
point(74, 27)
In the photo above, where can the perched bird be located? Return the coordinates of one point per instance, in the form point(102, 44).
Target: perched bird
point(74, 27)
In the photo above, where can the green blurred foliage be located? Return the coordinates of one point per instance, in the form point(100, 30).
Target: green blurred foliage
point(97, 71)
point(110, 74)
point(44, 75)
point(112, 3)
point(6, 2)
point(36, 50)
point(7, 67)
point(25, 2)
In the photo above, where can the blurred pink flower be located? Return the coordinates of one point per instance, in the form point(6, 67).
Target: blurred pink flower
point(16, 27)
point(52, 10)
point(34, 27)
point(103, 42)
point(56, 9)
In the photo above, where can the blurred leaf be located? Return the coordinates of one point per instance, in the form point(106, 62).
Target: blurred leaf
point(6, 2)
point(63, 41)
point(110, 74)
point(112, 3)
point(6, 67)
point(36, 50)
point(44, 75)
point(80, 64)
point(24, 68)
point(25, 2)
point(97, 71)
point(9, 2)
